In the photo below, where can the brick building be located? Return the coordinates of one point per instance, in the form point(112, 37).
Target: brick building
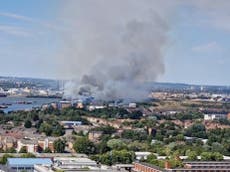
point(193, 166)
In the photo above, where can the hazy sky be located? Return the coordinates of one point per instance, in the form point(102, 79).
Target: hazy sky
point(198, 49)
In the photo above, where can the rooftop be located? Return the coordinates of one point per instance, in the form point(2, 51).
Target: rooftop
point(28, 161)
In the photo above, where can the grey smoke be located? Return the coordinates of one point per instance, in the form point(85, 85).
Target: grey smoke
point(113, 47)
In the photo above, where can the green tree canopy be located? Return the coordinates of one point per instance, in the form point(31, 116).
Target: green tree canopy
point(116, 144)
point(23, 150)
point(59, 146)
point(84, 145)
point(28, 124)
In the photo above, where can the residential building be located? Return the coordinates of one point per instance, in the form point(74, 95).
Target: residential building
point(30, 145)
point(7, 142)
point(46, 143)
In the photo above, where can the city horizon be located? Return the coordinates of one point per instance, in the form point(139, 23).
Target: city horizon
point(190, 44)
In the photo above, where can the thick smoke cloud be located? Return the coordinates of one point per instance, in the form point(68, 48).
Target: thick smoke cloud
point(113, 47)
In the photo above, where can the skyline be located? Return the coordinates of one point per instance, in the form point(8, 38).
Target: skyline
point(197, 51)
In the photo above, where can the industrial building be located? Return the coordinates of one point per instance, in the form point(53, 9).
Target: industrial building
point(74, 164)
point(26, 164)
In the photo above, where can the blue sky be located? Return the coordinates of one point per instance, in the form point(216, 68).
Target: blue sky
point(198, 49)
point(199, 54)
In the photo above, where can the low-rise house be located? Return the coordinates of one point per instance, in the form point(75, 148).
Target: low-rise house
point(95, 136)
point(214, 116)
point(30, 145)
point(8, 142)
point(46, 143)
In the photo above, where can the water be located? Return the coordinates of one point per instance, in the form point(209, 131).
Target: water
point(15, 106)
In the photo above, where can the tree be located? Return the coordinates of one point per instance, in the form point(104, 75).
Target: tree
point(102, 147)
point(180, 137)
point(152, 159)
point(47, 150)
point(10, 150)
point(116, 144)
point(206, 156)
point(58, 130)
point(28, 155)
point(192, 155)
point(38, 123)
point(134, 135)
point(59, 146)
point(28, 124)
point(113, 157)
point(3, 159)
point(217, 147)
point(138, 146)
point(35, 117)
point(84, 145)
point(46, 128)
point(23, 149)
point(54, 129)
point(151, 156)
point(217, 156)
point(196, 130)
point(211, 156)
point(106, 129)
point(135, 115)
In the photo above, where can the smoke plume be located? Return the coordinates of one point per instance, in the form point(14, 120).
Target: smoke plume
point(112, 47)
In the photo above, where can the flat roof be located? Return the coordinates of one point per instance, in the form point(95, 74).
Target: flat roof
point(142, 153)
point(207, 162)
point(28, 161)
point(198, 169)
point(74, 160)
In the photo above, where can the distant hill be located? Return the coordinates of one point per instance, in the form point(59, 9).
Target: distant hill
point(188, 87)
point(154, 86)
point(15, 82)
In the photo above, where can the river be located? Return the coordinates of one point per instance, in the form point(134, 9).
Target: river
point(24, 103)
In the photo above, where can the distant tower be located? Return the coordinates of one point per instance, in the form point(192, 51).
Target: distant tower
point(201, 88)
point(61, 84)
